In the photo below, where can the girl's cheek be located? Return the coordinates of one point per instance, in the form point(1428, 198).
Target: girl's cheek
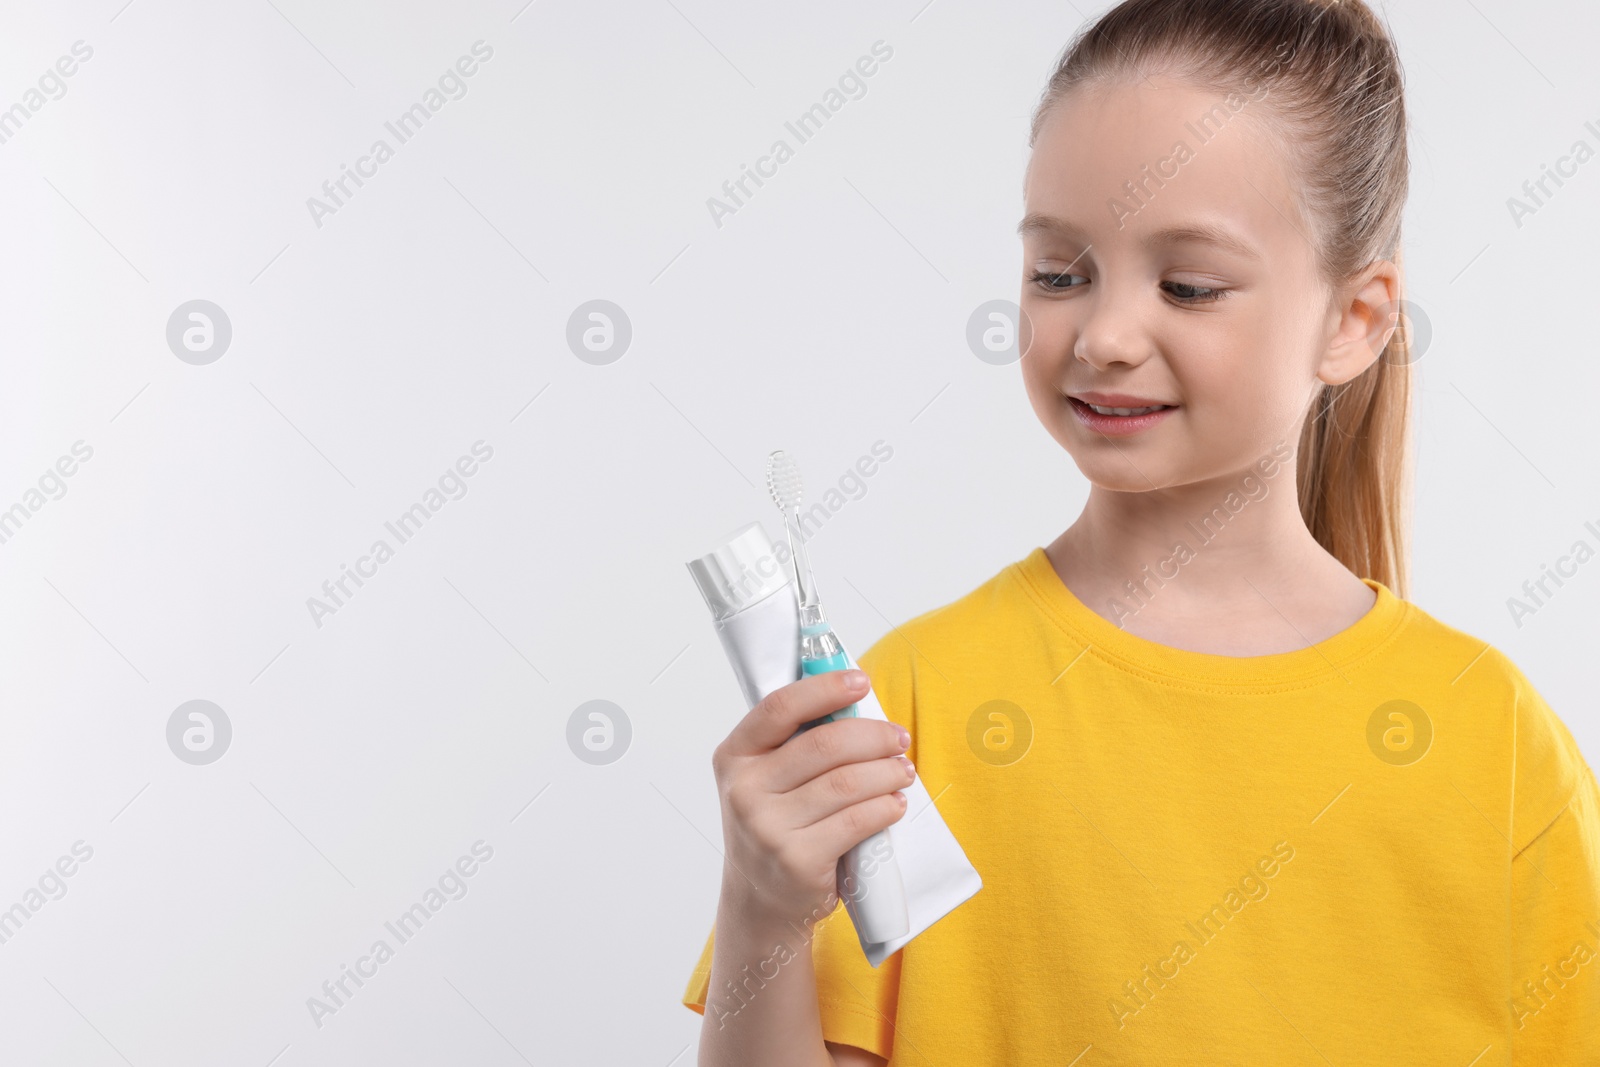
point(1039, 375)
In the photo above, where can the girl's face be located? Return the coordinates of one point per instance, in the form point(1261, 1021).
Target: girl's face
point(1198, 290)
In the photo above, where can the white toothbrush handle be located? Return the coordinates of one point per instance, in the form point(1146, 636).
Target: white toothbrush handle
point(868, 873)
point(873, 890)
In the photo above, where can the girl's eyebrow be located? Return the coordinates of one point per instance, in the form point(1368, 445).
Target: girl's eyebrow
point(1202, 232)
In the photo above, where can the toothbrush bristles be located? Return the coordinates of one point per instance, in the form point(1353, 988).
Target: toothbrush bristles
point(783, 481)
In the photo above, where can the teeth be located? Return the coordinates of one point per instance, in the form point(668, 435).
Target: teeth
point(1126, 411)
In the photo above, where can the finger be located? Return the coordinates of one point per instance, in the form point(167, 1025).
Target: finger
point(845, 829)
point(781, 712)
point(847, 785)
point(823, 748)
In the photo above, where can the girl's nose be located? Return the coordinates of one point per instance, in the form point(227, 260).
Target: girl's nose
point(1113, 330)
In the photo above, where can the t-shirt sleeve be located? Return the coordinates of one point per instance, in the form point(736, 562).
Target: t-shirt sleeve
point(1555, 893)
point(855, 1001)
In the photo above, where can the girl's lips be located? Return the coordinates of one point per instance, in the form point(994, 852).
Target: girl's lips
point(1116, 425)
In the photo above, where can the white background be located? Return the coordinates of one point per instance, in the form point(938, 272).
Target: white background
point(371, 752)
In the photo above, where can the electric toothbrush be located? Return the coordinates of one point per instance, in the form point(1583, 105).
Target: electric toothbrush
point(879, 899)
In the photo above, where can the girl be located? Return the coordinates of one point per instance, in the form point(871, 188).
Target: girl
point(1233, 798)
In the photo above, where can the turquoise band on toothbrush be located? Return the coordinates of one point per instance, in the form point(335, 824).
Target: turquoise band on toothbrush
point(823, 665)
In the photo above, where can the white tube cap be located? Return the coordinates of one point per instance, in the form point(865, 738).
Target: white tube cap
point(744, 569)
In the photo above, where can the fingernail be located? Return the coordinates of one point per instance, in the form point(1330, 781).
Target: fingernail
point(905, 735)
point(855, 679)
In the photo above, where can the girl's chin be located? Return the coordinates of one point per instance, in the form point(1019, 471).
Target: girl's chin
point(1120, 472)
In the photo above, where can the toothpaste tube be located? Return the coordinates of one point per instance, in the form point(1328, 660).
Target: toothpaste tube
point(896, 883)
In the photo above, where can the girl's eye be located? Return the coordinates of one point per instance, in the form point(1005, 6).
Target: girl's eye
point(1194, 294)
point(1061, 282)
point(1053, 281)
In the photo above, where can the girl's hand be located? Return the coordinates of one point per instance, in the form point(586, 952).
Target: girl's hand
point(790, 810)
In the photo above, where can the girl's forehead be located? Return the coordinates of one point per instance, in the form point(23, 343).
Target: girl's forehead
point(1142, 157)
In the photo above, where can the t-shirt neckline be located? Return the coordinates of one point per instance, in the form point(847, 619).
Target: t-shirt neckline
point(1304, 666)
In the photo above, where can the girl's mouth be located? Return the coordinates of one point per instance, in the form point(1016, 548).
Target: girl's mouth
point(1106, 420)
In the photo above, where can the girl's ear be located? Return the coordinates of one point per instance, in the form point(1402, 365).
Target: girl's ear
point(1368, 313)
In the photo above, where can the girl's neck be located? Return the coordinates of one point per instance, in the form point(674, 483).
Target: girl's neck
point(1209, 567)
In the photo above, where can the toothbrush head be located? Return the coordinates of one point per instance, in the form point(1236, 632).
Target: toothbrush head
point(783, 481)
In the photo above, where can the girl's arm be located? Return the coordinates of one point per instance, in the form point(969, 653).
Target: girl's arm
point(1554, 1001)
point(1555, 996)
point(777, 1022)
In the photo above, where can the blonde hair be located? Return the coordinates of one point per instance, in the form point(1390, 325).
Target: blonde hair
point(1331, 74)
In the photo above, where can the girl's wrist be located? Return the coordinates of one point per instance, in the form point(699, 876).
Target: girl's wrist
point(743, 906)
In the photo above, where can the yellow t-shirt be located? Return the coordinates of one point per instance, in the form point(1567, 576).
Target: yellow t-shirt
point(1381, 849)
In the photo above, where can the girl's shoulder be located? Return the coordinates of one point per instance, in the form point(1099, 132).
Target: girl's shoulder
point(976, 616)
point(1489, 691)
